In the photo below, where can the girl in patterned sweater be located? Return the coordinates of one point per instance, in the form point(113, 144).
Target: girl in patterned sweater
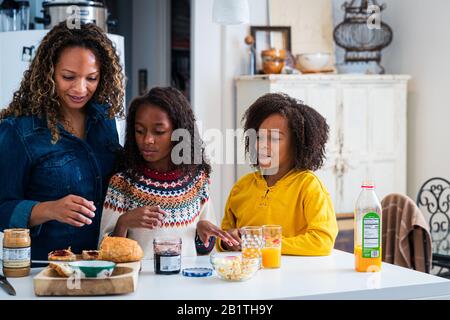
point(163, 191)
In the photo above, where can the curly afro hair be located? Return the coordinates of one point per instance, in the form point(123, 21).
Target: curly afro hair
point(37, 93)
point(180, 113)
point(308, 128)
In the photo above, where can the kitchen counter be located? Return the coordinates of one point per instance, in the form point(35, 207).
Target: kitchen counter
point(331, 277)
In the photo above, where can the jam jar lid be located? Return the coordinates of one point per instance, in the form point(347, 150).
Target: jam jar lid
point(197, 272)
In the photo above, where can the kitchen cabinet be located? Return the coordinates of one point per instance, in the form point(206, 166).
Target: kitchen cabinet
point(367, 119)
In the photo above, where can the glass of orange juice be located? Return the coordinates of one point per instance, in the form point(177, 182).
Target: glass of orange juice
point(252, 242)
point(271, 252)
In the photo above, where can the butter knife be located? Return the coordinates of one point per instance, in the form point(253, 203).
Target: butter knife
point(41, 261)
point(7, 286)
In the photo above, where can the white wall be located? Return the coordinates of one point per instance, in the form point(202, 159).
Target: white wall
point(420, 48)
point(218, 56)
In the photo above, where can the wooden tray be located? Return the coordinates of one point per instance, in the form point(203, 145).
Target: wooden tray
point(123, 280)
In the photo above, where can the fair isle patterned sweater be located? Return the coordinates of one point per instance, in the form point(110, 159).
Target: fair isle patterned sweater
point(184, 197)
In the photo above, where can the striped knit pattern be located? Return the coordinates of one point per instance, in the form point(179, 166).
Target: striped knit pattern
point(181, 196)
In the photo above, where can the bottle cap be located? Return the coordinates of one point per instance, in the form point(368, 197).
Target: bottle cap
point(368, 184)
point(197, 272)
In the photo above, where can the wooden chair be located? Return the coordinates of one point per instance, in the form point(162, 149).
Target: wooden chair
point(406, 237)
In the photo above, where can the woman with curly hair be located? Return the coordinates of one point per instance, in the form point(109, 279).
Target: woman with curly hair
point(58, 140)
point(289, 145)
point(163, 190)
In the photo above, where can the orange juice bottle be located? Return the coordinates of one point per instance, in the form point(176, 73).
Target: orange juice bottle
point(367, 230)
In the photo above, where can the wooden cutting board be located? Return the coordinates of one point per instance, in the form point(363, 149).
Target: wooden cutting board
point(123, 280)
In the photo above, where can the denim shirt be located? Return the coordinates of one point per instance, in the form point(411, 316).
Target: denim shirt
point(34, 170)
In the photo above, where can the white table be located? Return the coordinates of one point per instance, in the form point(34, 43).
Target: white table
point(331, 277)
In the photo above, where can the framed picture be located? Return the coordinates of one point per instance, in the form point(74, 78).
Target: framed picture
point(266, 37)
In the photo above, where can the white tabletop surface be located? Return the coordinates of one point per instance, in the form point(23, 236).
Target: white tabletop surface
point(331, 277)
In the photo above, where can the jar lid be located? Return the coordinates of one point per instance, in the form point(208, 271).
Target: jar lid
point(16, 231)
point(197, 272)
point(167, 241)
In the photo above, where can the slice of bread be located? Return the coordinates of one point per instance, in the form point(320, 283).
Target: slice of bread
point(62, 255)
point(63, 269)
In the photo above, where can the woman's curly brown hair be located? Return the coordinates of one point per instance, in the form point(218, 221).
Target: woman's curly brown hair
point(180, 113)
point(309, 130)
point(37, 93)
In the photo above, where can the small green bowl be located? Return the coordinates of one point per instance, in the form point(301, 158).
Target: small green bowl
point(93, 268)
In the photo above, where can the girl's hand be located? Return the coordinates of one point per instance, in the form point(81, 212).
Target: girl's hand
point(236, 235)
point(71, 209)
point(206, 229)
point(144, 217)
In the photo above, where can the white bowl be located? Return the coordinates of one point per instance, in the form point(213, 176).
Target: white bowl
point(230, 266)
point(313, 61)
point(93, 268)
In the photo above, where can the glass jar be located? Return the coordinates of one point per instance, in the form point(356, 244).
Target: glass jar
point(15, 17)
point(167, 255)
point(24, 15)
point(10, 20)
point(16, 253)
point(273, 61)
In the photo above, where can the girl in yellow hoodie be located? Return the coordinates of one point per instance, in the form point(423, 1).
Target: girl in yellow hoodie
point(289, 145)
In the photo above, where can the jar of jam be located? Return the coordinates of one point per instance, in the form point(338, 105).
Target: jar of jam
point(16, 253)
point(167, 255)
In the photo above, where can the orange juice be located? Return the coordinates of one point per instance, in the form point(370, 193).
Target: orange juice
point(271, 257)
point(366, 264)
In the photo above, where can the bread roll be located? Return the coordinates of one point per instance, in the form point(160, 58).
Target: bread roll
point(120, 250)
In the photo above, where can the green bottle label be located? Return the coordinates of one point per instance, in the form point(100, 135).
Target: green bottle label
point(371, 235)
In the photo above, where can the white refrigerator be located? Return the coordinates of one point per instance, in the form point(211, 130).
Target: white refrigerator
point(16, 50)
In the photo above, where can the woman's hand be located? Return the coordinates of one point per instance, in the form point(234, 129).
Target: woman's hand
point(236, 235)
point(73, 210)
point(144, 217)
point(206, 229)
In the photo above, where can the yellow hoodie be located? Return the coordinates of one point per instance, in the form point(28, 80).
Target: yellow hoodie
point(299, 202)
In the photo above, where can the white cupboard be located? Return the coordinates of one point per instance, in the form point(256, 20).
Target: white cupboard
point(367, 119)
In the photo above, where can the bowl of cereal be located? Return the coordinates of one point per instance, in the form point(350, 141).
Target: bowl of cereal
point(230, 266)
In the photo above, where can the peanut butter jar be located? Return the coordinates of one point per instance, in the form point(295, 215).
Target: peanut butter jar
point(16, 253)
